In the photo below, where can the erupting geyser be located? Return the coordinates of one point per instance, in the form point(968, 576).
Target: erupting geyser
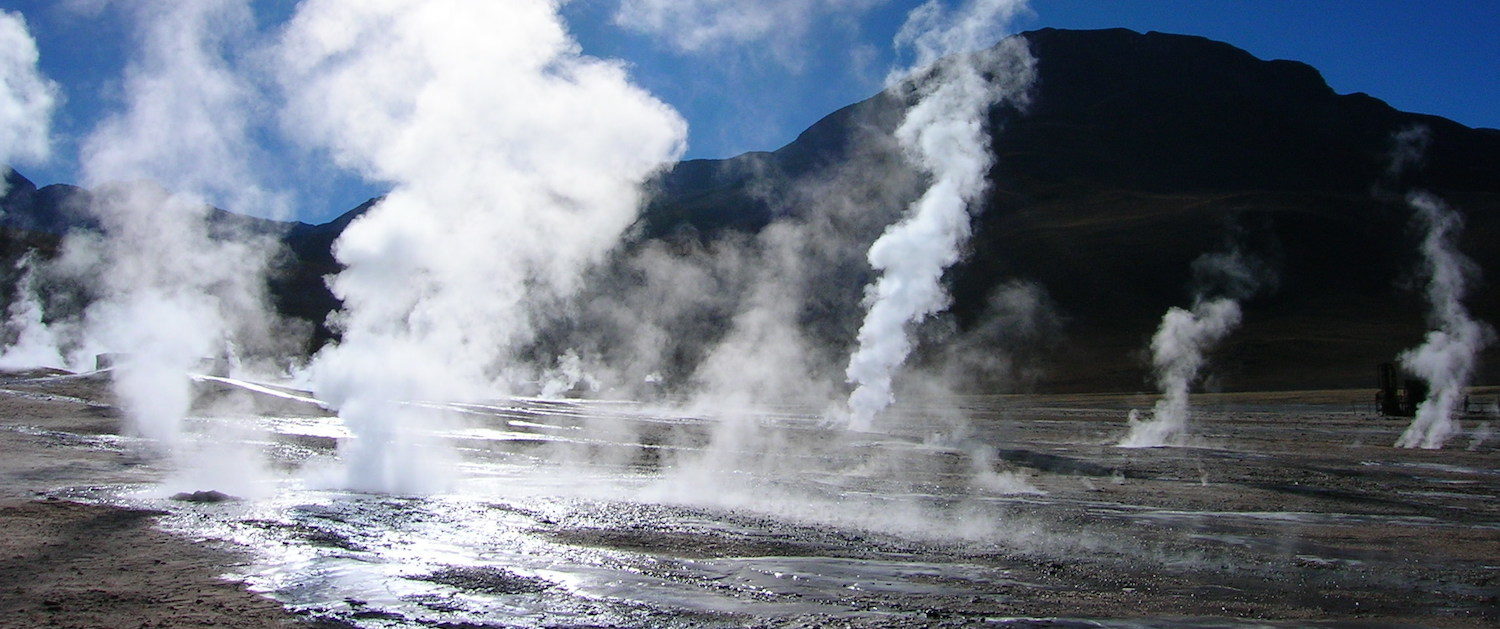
point(27, 100)
point(946, 135)
point(1177, 351)
point(36, 343)
point(515, 163)
point(172, 289)
point(1184, 337)
point(1448, 357)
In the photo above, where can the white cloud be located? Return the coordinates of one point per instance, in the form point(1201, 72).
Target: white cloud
point(709, 25)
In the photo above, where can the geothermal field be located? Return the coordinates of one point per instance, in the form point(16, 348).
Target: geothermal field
point(1053, 328)
point(1288, 510)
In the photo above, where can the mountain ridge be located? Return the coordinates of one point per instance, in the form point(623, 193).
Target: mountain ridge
point(1138, 153)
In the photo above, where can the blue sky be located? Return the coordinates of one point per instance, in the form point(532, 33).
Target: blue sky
point(752, 88)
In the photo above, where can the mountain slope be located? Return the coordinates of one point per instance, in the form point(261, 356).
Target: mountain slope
point(1137, 154)
point(1141, 152)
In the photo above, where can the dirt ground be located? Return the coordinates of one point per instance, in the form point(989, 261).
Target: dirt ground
point(65, 564)
point(1291, 509)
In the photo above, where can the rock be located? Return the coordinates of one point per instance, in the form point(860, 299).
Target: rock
point(208, 496)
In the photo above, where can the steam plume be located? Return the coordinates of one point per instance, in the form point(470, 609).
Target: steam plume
point(1446, 360)
point(170, 291)
point(27, 98)
point(1448, 357)
point(515, 163)
point(36, 344)
point(1184, 337)
point(1177, 351)
point(945, 134)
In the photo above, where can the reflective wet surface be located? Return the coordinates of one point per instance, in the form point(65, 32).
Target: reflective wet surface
point(1000, 510)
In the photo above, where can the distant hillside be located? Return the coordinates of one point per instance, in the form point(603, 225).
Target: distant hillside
point(1141, 152)
point(1137, 154)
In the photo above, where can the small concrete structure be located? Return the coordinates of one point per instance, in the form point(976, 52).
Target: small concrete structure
point(110, 360)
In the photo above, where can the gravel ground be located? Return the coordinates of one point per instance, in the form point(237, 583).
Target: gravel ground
point(1291, 509)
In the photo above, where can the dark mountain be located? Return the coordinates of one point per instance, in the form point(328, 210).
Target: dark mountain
point(1137, 154)
point(299, 288)
point(1141, 152)
point(50, 210)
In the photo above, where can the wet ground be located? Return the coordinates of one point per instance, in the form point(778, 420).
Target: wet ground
point(1291, 509)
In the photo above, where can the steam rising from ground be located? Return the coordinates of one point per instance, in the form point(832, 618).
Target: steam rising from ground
point(516, 164)
point(172, 285)
point(27, 98)
point(36, 343)
point(1177, 355)
point(516, 167)
point(1446, 360)
point(1181, 342)
point(752, 332)
point(1449, 356)
point(946, 134)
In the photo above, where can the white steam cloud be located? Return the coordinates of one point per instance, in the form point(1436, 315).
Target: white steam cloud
point(171, 286)
point(1446, 360)
point(1177, 354)
point(190, 115)
point(1181, 342)
point(946, 134)
point(27, 98)
point(1448, 357)
point(36, 343)
point(516, 164)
